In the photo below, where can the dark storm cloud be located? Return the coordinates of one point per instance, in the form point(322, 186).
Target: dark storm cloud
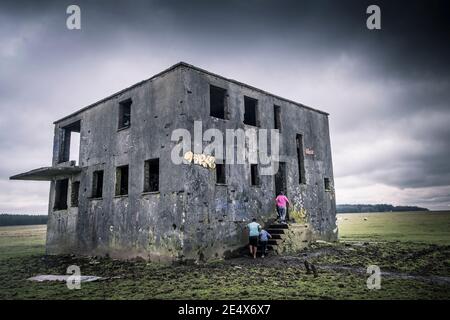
point(414, 40)
point(387, 91)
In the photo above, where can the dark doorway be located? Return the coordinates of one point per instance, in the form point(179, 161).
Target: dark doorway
point(280, 183)
point(61, 188)
point(280, 179)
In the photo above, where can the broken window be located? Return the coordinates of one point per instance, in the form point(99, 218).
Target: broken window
point(61, 188)
point(220, 173)
point(300, 159)
point(151, 175)
point(122, 181)
point(75, 189)
point(217, 102)
point(97, 184)
point(277, 117)
point(124, 114)
point(74, 153)
point(250, 114)
point(254, 174)
point(69, 142)
point(327, 184)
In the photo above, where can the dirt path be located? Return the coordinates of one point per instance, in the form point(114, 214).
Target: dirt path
point(298, 261)
point(392, 274)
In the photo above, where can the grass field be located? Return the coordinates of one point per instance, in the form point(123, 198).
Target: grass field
point(412, 249)
point(426, 227)
point(22, 241)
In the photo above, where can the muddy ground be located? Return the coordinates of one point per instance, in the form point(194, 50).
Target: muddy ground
point(409, 271)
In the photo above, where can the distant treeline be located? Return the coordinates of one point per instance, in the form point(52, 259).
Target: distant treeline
point(21, 219)
point(355, 208)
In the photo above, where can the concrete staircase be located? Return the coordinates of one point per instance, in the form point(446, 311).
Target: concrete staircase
point(277, 231)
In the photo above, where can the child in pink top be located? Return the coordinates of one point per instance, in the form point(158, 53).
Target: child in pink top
point(281, 201)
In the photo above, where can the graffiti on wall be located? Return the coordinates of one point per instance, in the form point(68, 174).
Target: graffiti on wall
point(204, 160)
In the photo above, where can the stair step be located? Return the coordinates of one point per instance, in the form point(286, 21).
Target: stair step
point(279, 226)
point(277, 236)
point(275, 231)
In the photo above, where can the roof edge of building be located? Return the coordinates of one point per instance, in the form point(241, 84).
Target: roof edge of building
point(251, 87)
point(184, 64)
point(119, 92)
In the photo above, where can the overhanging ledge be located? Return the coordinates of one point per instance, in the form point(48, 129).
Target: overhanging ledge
point(46, 173)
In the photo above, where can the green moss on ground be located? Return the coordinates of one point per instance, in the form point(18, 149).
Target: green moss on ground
point(276, 277)
point(341, 268)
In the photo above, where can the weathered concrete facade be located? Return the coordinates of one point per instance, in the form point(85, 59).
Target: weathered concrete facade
point(190, 216)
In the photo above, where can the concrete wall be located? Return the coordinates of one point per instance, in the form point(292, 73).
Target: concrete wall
point(191, 217)
point(218, 214)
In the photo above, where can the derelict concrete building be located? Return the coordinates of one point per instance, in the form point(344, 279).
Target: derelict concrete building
point(125, 197)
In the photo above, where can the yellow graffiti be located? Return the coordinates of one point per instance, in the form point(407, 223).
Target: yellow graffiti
point(206, 161)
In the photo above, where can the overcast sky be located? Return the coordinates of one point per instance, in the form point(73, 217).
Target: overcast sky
point(387, 91)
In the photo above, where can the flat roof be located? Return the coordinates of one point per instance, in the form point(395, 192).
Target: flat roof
point(184, 64)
